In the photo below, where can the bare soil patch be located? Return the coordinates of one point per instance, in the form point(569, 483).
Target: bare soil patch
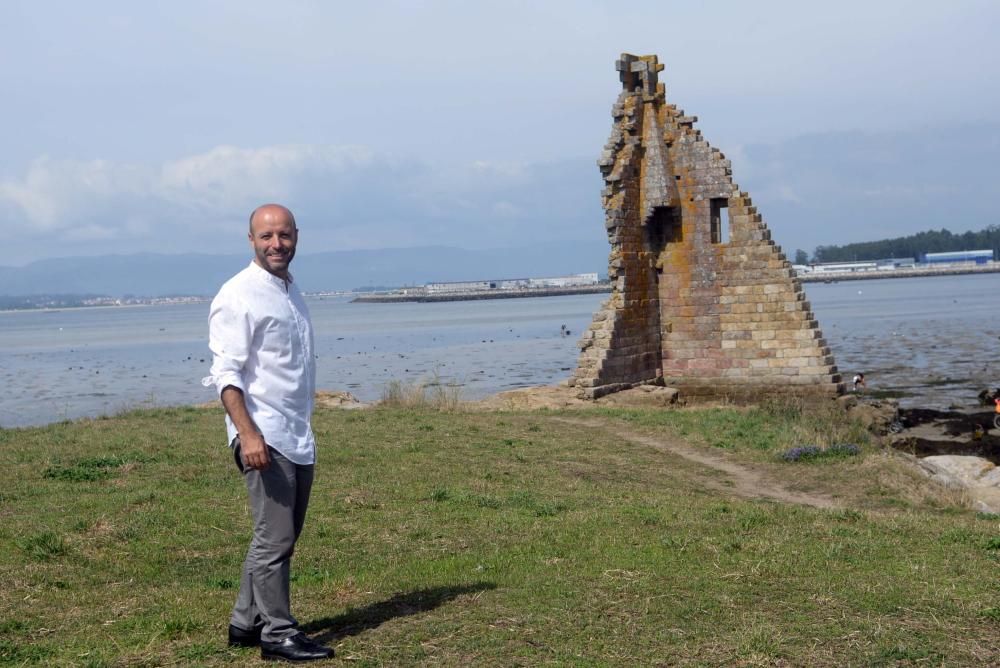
point(739, 479)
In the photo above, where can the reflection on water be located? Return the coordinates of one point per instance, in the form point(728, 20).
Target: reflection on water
point(936, 340)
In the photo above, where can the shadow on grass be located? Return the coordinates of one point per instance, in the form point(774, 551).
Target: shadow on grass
point(372, 616)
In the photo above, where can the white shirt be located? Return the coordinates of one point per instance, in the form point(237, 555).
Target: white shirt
point(262, 343)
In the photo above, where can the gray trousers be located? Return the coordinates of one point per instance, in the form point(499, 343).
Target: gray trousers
point(278, 496)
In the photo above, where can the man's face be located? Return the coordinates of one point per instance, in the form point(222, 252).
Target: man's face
point(273, 236)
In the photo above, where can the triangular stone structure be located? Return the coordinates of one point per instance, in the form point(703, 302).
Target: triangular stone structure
point(692, 307)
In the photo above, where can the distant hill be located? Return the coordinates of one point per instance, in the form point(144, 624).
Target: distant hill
point(913, 246)
point(157, 275)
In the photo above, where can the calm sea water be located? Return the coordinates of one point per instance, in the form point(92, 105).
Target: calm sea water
point(935, 340)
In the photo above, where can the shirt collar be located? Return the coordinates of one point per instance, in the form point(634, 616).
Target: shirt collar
point(265, 275)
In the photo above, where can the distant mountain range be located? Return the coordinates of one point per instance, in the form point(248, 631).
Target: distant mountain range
point(157, 275)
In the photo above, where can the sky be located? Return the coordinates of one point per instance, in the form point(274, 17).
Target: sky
point(157, 127)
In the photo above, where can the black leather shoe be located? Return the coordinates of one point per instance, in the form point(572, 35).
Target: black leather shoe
point(295, 648)
point(242, 638)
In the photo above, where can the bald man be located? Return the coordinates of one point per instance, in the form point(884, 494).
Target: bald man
point(264, 369)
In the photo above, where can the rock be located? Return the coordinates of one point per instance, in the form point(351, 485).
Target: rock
point(563, 396)
point(643, 395)
point(338, 399)
point(978, 476)
point(875, 415)
point(531, 398)
point(967, 470)
point(986, 499)
point(991, 478)
point(847, 401)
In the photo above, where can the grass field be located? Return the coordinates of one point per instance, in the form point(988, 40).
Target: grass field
point(499, 539)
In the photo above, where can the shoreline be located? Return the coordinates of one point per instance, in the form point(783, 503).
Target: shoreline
point(922, 272)
point(473, 295)
point(59, 309)
point(827, 277)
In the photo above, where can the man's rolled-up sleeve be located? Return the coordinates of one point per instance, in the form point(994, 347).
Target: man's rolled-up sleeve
point(230, 332)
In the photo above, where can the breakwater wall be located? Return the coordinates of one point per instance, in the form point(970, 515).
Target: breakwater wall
point(824, 277)
point(953, 270)
point(469, 295)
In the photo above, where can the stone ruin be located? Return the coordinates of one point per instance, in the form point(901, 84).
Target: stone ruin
point(710, 308)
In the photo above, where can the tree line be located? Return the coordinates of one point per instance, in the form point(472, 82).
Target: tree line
point(915, 245)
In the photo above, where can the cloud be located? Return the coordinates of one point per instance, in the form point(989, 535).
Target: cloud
point(842, 187)
point(830, 188)
point(343, 196)
point(228, 176)
point(70, 206)
point(53, 192)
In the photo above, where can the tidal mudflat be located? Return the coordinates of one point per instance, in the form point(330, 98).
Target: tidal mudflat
point(932, 342)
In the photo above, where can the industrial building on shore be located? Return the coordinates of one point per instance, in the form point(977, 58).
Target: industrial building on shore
point(573, 280)
point(501, 288)
point(956, 259)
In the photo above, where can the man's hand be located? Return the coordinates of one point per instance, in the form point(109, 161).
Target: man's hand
point(253, 449)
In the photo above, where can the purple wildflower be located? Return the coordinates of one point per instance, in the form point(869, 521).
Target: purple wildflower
point(807, 452)
point(801, 452)
point(844, 449)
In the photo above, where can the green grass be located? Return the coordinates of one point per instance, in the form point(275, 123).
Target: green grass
point(760, 432)
point(456, 539)
point(430, 393)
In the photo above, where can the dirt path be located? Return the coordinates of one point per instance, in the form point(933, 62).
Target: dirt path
point(741, 480)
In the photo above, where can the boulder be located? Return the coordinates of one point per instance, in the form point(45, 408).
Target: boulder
point(563, 396)
point(531, 398)
point(876, 415)
point(338, 399)
point(653, 396)
point(979, 477)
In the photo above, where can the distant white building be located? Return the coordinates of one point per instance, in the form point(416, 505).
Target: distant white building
point(512, 283)
point(563, 281)
point(842, 267)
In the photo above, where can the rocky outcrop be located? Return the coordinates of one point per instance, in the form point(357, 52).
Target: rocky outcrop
point(877, 415)
point(562, 396)
point(338, 399)
point(977, 476)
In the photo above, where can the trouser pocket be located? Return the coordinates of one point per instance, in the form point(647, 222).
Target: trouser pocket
point(237, 455)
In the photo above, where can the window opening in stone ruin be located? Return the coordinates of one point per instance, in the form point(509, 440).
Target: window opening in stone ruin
point(662, 228)
point(720, 227)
